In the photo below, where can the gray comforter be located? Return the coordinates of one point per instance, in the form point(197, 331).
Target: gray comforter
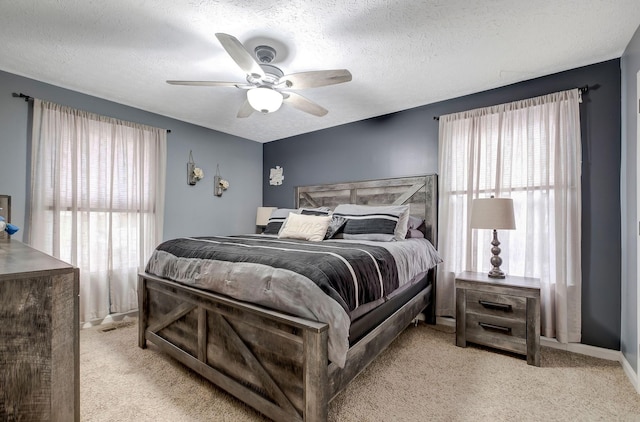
point(321, 281)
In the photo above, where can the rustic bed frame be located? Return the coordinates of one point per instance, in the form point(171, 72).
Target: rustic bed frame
point(274, 362)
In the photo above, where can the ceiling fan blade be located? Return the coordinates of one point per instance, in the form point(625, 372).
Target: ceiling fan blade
point(204, 83)
point(315, 78)
point(240, 55)
point(301, 103)
point(245, 110)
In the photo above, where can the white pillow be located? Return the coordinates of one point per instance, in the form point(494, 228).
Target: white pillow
point(276, 219)
point(304, 227)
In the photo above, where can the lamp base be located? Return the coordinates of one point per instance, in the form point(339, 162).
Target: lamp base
point(496, 261)
point(496, 273)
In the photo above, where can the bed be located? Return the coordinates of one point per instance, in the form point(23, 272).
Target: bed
point(279, 363)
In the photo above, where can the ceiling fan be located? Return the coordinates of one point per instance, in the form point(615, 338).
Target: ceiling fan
point(267, 86)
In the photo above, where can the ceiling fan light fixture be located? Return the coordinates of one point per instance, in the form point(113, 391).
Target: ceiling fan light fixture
point(264, 99)
point(265, 81)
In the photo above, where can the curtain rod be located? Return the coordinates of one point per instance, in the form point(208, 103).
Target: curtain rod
point(583, 90)
point(21, 95)
point(29, 98)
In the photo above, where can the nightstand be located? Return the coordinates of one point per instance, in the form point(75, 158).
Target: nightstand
point(501, 313)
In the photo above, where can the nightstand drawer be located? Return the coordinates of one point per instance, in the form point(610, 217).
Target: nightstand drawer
point(499, 305)
point(496, 325)
point(498, 332)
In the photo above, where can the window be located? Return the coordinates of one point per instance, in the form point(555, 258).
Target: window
point(528, 151)
point(97, 200)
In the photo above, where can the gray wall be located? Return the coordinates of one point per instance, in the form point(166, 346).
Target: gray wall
point(406, 143)
point(398, 144)
point(189, 210)
point(630, 65)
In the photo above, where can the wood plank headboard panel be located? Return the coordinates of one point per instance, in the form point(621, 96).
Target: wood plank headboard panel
point(419, 192)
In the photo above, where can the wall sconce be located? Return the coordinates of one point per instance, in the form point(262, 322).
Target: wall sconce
point(194, 174)
point(219, 184)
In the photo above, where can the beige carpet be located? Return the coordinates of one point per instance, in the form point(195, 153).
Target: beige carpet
point(422, 376)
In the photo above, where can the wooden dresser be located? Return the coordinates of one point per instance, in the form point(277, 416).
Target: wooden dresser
point(39, 336)
point(500, 313)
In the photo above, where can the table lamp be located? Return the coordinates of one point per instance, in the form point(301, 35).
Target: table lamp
point(493, 213)
point(262, 216)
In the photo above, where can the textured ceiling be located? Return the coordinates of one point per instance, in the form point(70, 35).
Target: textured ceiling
point(402, 54)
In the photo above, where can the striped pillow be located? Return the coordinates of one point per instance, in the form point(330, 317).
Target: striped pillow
point(323, 211)
point(276, 219)
point(364, 222)
point(279, 215)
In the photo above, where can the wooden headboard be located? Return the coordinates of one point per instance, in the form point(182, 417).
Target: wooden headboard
point(419, 192)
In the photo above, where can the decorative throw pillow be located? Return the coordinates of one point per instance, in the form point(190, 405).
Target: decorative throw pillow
point(335, 226)
point(414, 233)
point(415, 222)
point(276, 219)
point(364, 222)
point(304, 227)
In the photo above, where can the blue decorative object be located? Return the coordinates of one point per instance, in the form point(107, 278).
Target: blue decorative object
point(9, 228)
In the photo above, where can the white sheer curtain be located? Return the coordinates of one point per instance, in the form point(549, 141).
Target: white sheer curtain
point(97, 200)
point(529, 151)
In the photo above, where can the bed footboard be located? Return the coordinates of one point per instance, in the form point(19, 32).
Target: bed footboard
point(273, 362)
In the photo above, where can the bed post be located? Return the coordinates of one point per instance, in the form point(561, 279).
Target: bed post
point(430, 312)
point(431, 215)
point(315, 377)
point(143, 301)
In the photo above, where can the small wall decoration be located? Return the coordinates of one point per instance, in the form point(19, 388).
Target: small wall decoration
point(194, 174)
point(5, 216)
point(7, 227)
point(276, 176)
point(219, 184)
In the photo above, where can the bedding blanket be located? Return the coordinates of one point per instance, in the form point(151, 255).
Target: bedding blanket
point(321, 281)
point(350, 275)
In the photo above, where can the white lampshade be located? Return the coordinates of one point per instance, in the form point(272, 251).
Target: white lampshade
point(264, 99)
point(493, 213)
point(262, 217)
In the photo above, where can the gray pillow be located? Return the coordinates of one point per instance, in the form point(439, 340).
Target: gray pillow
point(414, 233)
point(415, 222)
point(383, 223)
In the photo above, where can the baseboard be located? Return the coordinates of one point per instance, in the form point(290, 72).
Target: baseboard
point(631, 374)
point(582, 349)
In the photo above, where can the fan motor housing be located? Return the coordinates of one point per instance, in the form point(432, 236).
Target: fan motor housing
point(272, 75)
point(265, 53)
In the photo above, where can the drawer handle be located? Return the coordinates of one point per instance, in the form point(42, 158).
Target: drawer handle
point(505, 330)
point(494, 305)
